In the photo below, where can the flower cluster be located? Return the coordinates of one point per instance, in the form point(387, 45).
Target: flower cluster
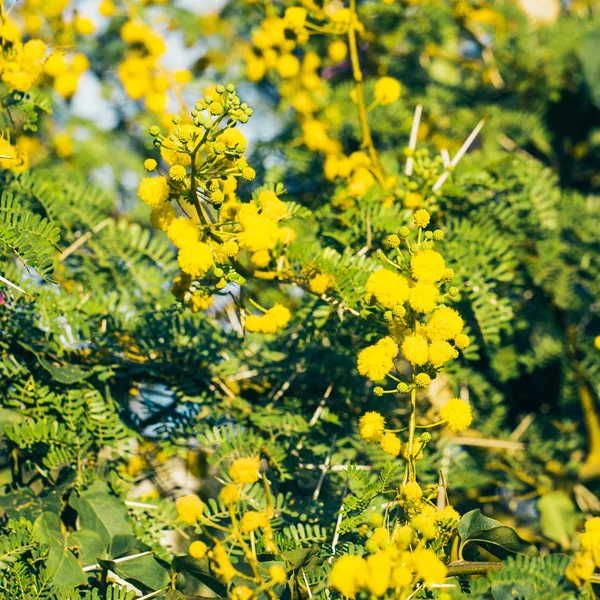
point(423, 329)
point(214, 232)
point(249, 527)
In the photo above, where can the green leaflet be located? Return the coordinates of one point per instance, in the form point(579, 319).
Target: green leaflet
point(478, 532)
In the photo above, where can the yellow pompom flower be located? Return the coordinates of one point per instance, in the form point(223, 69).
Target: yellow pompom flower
point(56, 64)
point(288, 66)
point(445, 324)
point(230, 494)
point(379, 566)
point(413, 200)
point(411, 491)
point(319, 284)
point(189, 509)
point(295, 16)
point(241, 592)
point(63, 145)
point(457, 413)
point(153, 190)
point(448, 514)
point(422, 380)
point(183, 232)
point(260, 259)
point(387, 90)
point(441, 352)
point(402, 576)
point(83, 25)
point(162, 216)
point(415, 349)
point(252, 520)
point(371, 426)
point(423, 297)
point(260, 232)
point(390, 444)
point(150, 164)
point(597, 342)
point(427, 266)
point(422, 218)
point(389, 288)
point(337, 51)
point(349, 575)
point(429, 567)
point(178, 173)
point(248, 174)
point(277, 574)
point(462, 341)
point(195, 259)
point(272, 207)
point(275, 318)
point(107, 8)
point(198, 549)
point(376, 361)
point(245, 469)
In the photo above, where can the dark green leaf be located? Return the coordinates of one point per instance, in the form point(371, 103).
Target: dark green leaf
point(481, 537)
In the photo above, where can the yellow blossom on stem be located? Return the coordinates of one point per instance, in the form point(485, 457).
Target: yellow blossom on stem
point(197, 549)
point(277, 574)
point(427, 266)
point(390, 444)
point(389, 288)
point(415, 349)
point(189, 509)
point(429, 567)
point(457, 413)
point(423, 297)
point(422, 218)
point(371, 426)
point(441, 352)
point(349, 575)
point(376, 361)
point(445, 324)
point(153, 190)
point(387, 90)
point(230, 494)
point(245, 470)
point(320, 283)
point(195, 259)
point(252, 520)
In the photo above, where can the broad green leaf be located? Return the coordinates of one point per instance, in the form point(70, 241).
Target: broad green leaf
point(482, 538)
point(200, 569)
point(125, 544)
point(23, 502)
point(100, 511)
point(61, 561)
point(558, 517)
point(91, 546)
point(144, 571)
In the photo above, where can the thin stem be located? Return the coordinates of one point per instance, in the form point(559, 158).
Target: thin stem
point(410, 475)
point(472, 568)
point(367, 140)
